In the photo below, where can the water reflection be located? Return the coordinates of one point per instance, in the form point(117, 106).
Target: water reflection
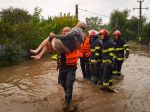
point(34, 79)
point(139, 49)
point(30, 78)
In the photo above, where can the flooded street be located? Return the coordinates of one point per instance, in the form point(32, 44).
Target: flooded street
point(32, 87)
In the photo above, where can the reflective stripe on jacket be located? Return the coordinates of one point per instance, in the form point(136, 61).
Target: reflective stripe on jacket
point(121, 48)
point(107, 50)
point(96, 49)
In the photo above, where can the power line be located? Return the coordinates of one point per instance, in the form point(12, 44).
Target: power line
point(92, 12)
point(83, 15)
point(140, 16)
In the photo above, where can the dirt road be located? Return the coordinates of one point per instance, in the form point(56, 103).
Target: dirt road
point(32, 87)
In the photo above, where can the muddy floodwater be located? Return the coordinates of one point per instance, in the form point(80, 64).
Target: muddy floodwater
point(32, 87)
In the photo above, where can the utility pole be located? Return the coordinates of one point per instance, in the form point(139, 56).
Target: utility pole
point(76, 11)
point(140, 18)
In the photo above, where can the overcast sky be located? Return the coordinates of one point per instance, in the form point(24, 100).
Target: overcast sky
point(100, 8)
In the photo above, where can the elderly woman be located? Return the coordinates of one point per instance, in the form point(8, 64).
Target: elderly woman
point(62, 43)
point(46, 45)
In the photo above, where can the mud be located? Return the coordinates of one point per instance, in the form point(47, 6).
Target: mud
point(32, 87)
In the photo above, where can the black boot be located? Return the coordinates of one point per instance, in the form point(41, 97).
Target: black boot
point(66, 106)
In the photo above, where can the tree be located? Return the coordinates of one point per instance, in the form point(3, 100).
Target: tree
point(59, 22)
point(37, 14)
point(146, 33)
point(14, 16)
point(118, 19)
point(94, 23)
point(20, 32)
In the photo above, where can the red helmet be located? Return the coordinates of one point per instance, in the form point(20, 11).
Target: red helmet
point(104, 32)
point(117, 33)
point(93, 32)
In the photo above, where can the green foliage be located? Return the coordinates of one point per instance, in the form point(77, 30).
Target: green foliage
point(36, 15)
point(10, 54)
point(146, 34)
point(118, 20)
point(94, 23)
point(15, 16)
point(62, 21)
point(20, 32)
point(131, 28)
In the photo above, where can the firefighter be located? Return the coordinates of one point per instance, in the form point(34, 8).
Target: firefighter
point(84, 54)
point(121, 52)
point(95, 59)
point(67, 65)
point(107, 58)
point(67, 71)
